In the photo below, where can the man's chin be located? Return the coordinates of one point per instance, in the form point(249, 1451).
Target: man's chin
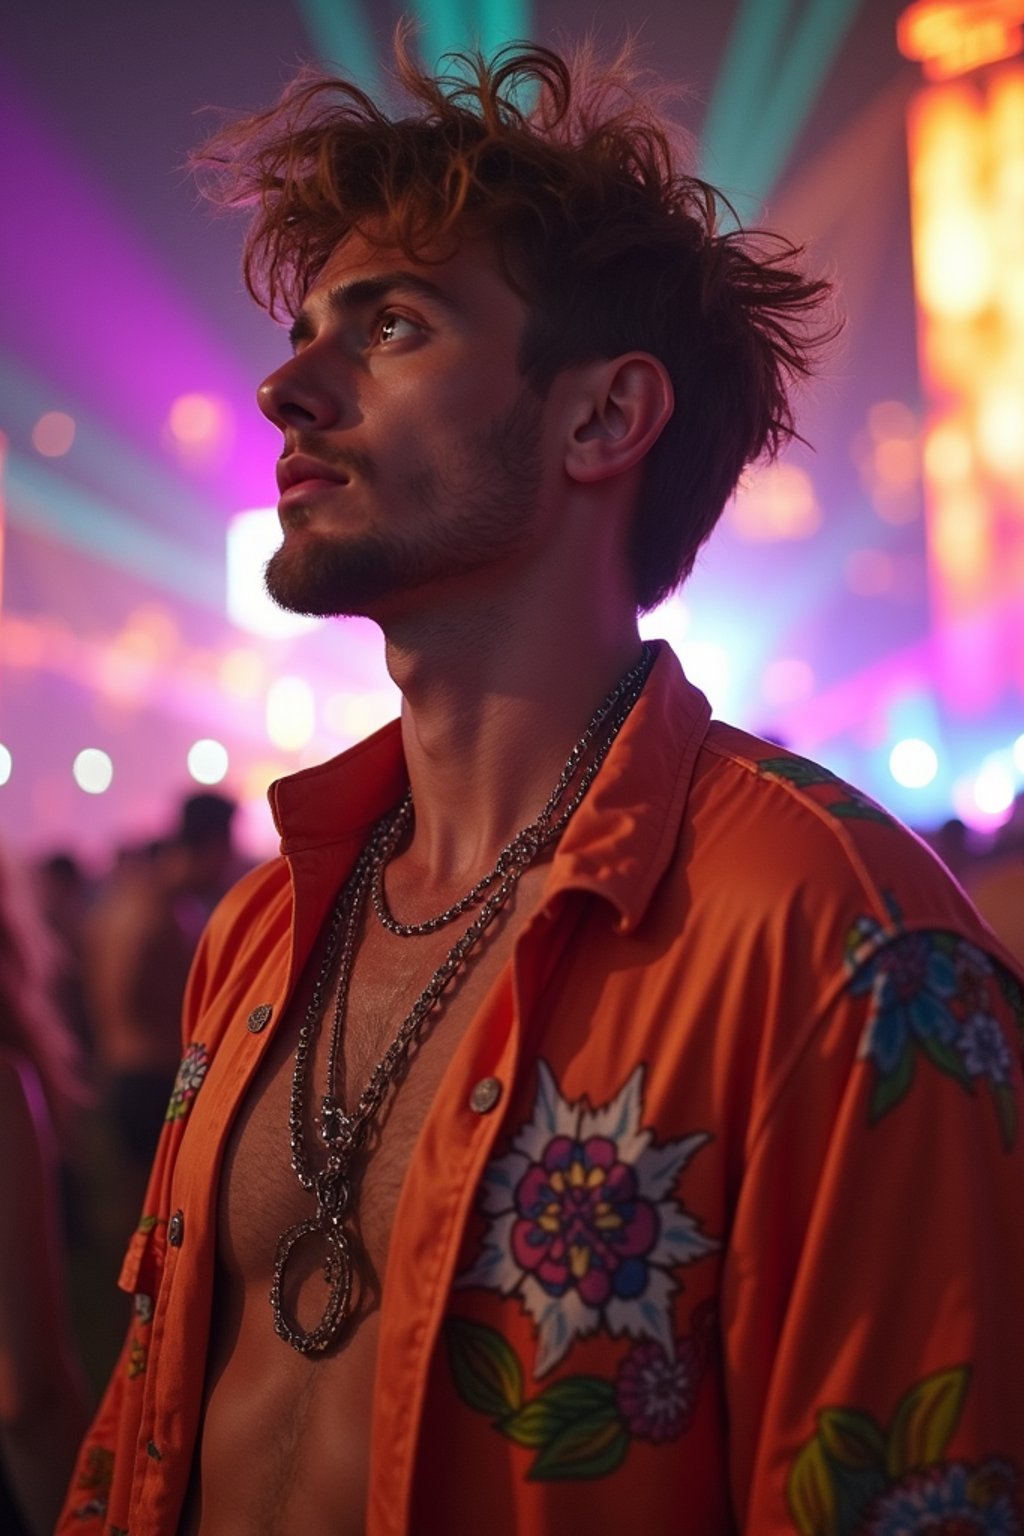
point(325, 584)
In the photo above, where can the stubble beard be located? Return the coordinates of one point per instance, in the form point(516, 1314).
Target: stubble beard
point(470, 511)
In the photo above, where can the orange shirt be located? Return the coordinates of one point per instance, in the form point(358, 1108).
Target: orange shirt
point(729, 1240)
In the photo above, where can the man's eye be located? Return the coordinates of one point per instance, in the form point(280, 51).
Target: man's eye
point(392, 327)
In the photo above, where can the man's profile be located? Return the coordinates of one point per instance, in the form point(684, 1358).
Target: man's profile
point(597, 1119)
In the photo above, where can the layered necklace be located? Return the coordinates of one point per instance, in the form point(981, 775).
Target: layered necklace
point(345, 1134)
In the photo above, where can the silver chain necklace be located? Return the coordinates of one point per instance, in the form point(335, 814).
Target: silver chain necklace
point(345, 1134)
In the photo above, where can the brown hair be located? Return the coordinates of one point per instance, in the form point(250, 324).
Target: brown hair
point(613, 246)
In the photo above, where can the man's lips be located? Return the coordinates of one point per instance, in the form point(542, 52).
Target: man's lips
point(298, 475)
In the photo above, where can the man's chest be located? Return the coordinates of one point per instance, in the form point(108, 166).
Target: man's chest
point(279, 1124)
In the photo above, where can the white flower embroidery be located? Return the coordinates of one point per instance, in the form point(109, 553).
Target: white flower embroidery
point(582, 1227)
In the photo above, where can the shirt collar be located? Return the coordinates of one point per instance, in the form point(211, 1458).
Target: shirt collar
point(622, 838)
point(619, 842)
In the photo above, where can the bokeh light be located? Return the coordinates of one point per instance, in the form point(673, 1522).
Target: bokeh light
point(6, 764)
point(259, 776)
point(93, 771)
point(995, 785)
point(670, 621)
point(197, 421)
point(252, 538)
point(707, 665)
point(787, 680)
point(207, 760)
point(151, 633)
point(351, 716)
point(290, 713)
point(53, 434)
point(775, 502)
point(948, 454)
point(242, 672)
point(1001, 430)
point(913, 762)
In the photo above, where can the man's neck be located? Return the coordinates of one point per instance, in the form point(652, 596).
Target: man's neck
point(488, 721)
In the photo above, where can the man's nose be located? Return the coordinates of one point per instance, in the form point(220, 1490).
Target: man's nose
point(297, 395)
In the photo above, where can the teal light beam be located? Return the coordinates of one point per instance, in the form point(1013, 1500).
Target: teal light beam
point(765, 89)
point(445, 25)
point(804, 65)
point(449, 25)
point(344, 42)
point(741, 88)
point(503, 21)
point(109, 459)
point(42, 501)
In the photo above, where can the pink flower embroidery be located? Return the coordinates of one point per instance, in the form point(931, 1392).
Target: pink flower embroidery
point(655, 1394)
point(582, 1224)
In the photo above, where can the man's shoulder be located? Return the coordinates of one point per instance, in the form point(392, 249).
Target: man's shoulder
point(778, 823)
point(257, 901)
point(257, 886)
point(773, 766)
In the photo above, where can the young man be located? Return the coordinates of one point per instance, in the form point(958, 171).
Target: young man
point(597, 1119)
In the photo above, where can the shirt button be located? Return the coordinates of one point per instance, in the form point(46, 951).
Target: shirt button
point(176, 1229)
point(485, 1095)
point(260, 1017)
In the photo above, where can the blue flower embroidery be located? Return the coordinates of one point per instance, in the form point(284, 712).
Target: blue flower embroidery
point(932, 994)
point(858, 1476)
point(955, 1497)
point(912, 981)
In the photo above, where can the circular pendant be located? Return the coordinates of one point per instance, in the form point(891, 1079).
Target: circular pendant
point(337, 1273)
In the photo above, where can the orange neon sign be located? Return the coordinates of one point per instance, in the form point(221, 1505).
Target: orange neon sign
point(951, 37)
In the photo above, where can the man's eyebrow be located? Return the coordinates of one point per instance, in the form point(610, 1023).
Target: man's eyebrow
point(346, 298)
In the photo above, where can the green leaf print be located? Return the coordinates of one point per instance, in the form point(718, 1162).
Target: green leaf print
point(946, 1058)
point(486, 1370)
point(559, 1406)
point(889, 1090)
point(924, 1422)
point(852, 1439)
point(811, 1495)
point(592, 1447)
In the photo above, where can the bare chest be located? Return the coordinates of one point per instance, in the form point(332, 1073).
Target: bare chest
point(261, 1196)
point(316, 1479)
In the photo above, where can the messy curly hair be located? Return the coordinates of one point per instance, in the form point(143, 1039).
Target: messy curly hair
point(611, 243)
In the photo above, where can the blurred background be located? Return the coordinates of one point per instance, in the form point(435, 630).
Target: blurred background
point(861, 602)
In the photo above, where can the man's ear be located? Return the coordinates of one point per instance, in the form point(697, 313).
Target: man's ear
point(621, 407)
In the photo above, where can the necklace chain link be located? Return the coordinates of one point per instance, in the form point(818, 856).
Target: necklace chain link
point(345, 1134)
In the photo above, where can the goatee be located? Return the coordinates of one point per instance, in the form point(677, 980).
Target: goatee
point(456, 515)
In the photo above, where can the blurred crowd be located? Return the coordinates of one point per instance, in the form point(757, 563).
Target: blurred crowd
point(92, 973)
point(93, 967)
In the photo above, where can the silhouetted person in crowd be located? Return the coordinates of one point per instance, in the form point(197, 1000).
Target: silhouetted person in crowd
point(142, 935)
point(64, 896)
point(43, 1404)
point(996, 883)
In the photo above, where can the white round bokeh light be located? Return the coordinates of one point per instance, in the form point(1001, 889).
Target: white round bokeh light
point(207, 760)
point(93, 771)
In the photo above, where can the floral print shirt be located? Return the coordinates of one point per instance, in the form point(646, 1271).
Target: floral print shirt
point(714, 1225)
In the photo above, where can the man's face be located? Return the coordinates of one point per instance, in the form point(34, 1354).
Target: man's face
point(412, 444)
